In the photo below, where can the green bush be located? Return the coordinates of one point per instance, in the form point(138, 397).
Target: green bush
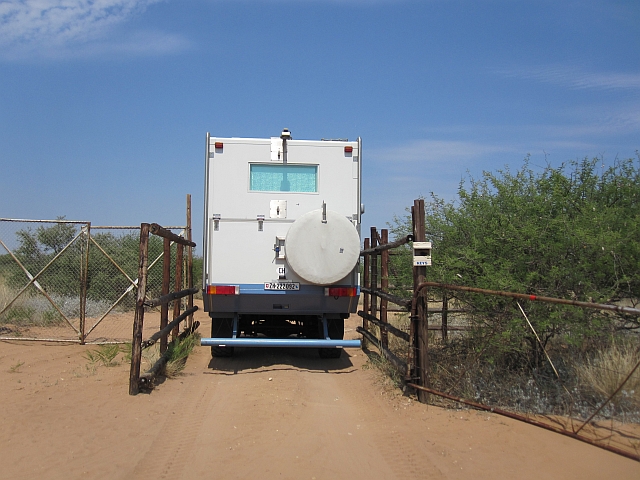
point(568, 232)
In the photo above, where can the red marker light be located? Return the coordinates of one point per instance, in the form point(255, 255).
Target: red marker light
point(219, 145)
point(223, 289)
point(341, 292)
point(348, 149)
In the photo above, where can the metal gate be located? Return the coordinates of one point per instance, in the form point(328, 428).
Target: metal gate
point(69, 281)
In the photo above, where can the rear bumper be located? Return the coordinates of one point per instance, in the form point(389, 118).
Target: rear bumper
point(254, 299)
point(279, 342)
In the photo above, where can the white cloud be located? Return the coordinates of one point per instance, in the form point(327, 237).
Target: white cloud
point(576, 78)
point(59, 28)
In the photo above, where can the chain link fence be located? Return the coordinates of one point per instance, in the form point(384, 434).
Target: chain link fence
point(69, 281)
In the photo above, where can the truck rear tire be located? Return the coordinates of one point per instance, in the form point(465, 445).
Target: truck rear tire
point(335, 328)
point(221, 328)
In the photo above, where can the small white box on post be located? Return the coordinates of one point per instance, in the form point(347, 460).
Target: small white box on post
point(421, 254)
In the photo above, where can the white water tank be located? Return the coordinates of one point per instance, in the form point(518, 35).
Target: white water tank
point(322, 248)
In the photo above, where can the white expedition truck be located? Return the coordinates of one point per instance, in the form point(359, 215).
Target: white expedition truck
point(281, 242)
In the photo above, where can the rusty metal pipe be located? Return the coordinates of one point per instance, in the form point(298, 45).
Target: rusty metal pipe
point(388, 296)
point(388, 354)
point(387, 246)
point(533, 298)
point(171, 296)
point(390, 328)
point(167, 329)
point(164, 233)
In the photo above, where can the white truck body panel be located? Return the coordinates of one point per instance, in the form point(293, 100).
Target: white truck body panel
point(247, 215)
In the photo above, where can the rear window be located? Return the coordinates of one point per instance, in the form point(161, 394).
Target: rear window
point(283, 178)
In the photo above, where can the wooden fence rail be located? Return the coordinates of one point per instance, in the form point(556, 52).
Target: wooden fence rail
point(377, 297)
point(166, 330)
point(388, 354)
point(137, 345)
point(387, 326)
point(403, 302)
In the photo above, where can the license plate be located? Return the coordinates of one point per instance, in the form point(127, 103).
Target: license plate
point(281, 286)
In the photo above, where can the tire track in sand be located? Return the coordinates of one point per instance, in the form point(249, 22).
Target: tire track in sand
point(169, 451)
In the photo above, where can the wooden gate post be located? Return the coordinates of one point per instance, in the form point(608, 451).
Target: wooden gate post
point(422, 327)
point(136, 342)
point(412, 356)
point(176, 303)
point(166, 277)
point(374, 273)
point(384, 285)
point(367, 284)
point(189, 262)
point(445, 314)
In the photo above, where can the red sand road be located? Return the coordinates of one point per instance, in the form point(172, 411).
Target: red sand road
point(280, 413)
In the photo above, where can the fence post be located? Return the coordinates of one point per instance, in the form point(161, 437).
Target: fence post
point(166, 277)
point(136, 342)
point(374, 273)
point(367, 284)
point(413, 351)
point(189, 262)
point(176, 303)
point(422, 330)
point(445, 320)
point(84, 268)
point(384, 285)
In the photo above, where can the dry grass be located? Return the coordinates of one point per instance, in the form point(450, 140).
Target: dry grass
point(605, 371)
point(397, 345)
point(390, 377)
point(177, 355)
point(28, 309)
point(5, 295)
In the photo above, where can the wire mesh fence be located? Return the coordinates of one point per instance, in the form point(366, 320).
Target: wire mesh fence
point(41, 275)
point(70, 281)
point(508, 354)
point(505, 356)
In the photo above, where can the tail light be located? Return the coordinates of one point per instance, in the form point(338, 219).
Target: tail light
point(340, 292)
point(223, 290)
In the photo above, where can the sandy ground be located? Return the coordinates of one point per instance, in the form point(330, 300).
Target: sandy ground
point(281, 413)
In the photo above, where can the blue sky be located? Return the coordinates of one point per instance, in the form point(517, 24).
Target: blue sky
point(105, 104)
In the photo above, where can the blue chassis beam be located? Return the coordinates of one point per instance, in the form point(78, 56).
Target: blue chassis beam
point(279, 342)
